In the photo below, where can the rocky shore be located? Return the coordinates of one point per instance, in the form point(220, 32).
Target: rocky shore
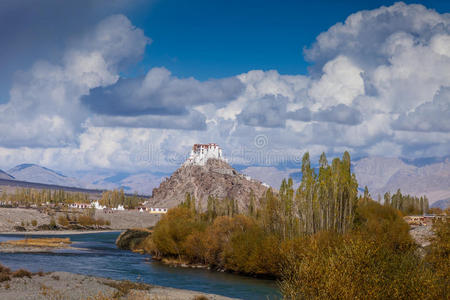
point(63, 285)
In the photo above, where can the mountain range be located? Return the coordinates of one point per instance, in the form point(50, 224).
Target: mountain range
point(4, 175)
point(382, 175)
point(141, 183)
point(430, 177)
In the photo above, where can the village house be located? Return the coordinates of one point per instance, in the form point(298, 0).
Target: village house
point(157, 210)
point(79, 205)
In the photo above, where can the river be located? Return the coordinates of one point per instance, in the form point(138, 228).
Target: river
point(98, 255)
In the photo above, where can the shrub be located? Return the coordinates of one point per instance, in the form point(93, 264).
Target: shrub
point(172, 230)
point(21, 273)
point(34, 223)
point(86, 220)
point(52, 224)
point(4, 269)
point(63, 221)
point(438, 257)
point(129, 239)
point(100, 221)
point(19, 228)
point(352, 267)
point(4, 277)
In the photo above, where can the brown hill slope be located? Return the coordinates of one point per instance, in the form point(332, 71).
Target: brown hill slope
point(216, 178)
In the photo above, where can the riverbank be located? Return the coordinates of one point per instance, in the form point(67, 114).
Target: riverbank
point(21, 220)
point(57, 232)
point(63, 285)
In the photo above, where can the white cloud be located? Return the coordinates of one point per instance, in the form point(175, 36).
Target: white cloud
point(44, 108)
point(378, 86)
point(340, 84)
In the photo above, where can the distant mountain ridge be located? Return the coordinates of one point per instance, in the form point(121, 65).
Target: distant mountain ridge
point(141, 183)
point(383, 175)
point(442, 204)
point(4, 175)
point(39, 174)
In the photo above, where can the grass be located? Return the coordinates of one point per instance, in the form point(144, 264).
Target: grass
point(39, 242)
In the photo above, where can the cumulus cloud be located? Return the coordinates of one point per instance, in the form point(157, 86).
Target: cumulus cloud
point(45, 28)
point(44, 106)
point(363, 35)
point(340, 113)
point(193, 120)
point(430, 116)
point(340, 83)
point(160, 93)
point(265, 112)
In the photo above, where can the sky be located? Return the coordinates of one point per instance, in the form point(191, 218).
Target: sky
point(132, 85)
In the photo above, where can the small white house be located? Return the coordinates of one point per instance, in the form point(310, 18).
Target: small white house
point(79, 205)
point(119, 207)
point(157, 210)
point(97, 205)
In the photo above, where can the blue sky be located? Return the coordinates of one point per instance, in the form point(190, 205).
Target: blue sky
point(213, 39)
point(130, 86)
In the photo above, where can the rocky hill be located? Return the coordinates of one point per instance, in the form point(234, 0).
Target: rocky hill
point(216, 178)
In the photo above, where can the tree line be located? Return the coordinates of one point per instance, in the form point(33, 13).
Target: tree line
point(39, 197)
point(407, 204)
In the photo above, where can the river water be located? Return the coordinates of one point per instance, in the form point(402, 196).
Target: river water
point(97, 255)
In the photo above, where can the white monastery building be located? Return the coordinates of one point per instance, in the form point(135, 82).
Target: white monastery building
point(202, 152)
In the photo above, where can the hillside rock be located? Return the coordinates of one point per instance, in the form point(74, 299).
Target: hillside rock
point(216, 178)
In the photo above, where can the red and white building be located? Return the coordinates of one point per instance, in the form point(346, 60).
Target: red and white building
point(202, 152)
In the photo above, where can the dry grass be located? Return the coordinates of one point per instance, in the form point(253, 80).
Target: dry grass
point(133, 295)
point(50, 293)
point(4, 277)
point(22, 273)
point(40, 242)
point(124, 287)
point(200, 297)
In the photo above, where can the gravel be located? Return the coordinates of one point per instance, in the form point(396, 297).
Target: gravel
point(63, 285)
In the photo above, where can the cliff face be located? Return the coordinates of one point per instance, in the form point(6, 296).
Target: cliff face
point(215, 178)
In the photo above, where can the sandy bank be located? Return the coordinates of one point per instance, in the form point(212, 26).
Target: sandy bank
point(63, 285)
